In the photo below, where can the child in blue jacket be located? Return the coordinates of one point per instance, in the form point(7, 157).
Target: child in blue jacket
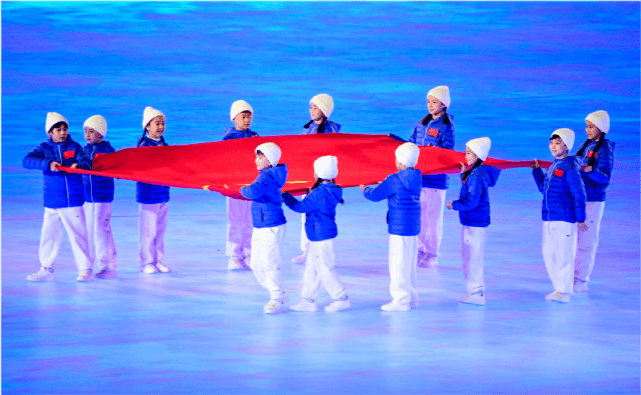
point(473, 206)
point(239, 217)
point(63, 199)
point(596, 157)
point(435, 129)
point(563, 211)
point(99, 193)
point(269, 222)
point(153, 202)
point(402, 191)
point(319, 207)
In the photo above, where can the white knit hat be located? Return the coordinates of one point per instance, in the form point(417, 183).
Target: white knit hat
point(442, 93)
point(97, 123)
point(52, 119)
point(271, 151)
point(407, 154)
point(480, 146)
point(239, 106)
point(601, 119)
point(567, 135)
point(324, 102)
point(326, 167)
point(149, 114)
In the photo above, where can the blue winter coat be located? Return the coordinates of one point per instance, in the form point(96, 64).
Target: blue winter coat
point(233, 133)
point(98, 189)
point(320, 210)
point(563, 191)
point(61, 189)
point(403, 193)
point(150, 193)
point(330, 127)
point(598, 179)
point(266, 197)
point(436, 133)
point(473, 204)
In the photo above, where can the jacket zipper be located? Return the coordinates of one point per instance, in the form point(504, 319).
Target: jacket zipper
point(550, 173)
point(65, 176)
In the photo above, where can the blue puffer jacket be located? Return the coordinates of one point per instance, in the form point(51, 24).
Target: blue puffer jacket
point(403, 193)
point(436, 133)
point(233, 133)
point(330, 127)
point(563, 191)
point(320, 210)
point(473, 204)
point(266, 197)
point(98, 189)
point(150, 193)
point(61, 189)
point(598, 179)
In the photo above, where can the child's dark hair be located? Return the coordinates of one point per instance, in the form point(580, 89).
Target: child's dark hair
point(320, 181)
point(321, 127)
point(592, 158)
point(467, 172)
point(144, 132)
point(57, 125)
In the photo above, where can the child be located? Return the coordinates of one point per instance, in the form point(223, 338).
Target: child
point(473, 206)
point(99, 193)
point(319, 207)
point(321, 107)
point(153, 200)
point(563, 207)
point(402, 191)
point(435, 129)
point(596, 156)
point(268, 221)
point(239, 227)
point(63, 199)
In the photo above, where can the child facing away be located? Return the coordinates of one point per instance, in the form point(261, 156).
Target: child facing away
point(99, 193)
point(402, 191)
point(63, 199)
point(268, 222)
point(239, 217)
point(596, 157)
point(435, 129)
point(319, 207)
point(473, 206)
point(321, 107)
point(563, 211)
point(153, 202)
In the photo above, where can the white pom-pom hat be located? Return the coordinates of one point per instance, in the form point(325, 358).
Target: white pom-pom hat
point(52, 119)
point(480, 146)
point(239, 106)
point(567, 135)
point(97, 123)
point(271, 152)
point(442, 93)
point(407, 154)
point(149, 114)
point(325, 102)
point(601, 119)
point(326, 167)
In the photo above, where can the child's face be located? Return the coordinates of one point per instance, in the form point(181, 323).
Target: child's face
point(59, 134)
point(470, 156)
point(434, 105)
point(156, 127)
point(262, 162)
point(243, 121)
point(315, 113)
point(558, 148)
point(593, 132)
point(92, 136)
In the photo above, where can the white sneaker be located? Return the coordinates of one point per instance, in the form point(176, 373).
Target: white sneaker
point(391, 306)
point(580, 286)
point(44, 274)
point(236, 264)
point(557, 296)
point(428, 261)
point(300, 260)
point(476, 299)
point(274, 306)
point(338, 305)
point(149, 268)
point(85, 275)
point(106, 273)
point(304, 305)
point(162, 268)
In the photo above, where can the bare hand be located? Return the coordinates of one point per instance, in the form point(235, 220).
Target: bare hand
point(582, 226)
point(535, 164)
point(74, 166)
point(587, 169)
point(463, 167)
point(53, 166)
point(449, 205)
point(362, 187)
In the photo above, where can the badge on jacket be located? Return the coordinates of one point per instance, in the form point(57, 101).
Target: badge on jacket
point(69, 154)
point(432, 132)
point(558, 173)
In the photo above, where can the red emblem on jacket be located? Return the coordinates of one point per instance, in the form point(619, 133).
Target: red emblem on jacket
point(432, 132)
point(558, 173)
point(592, 153)
point(69, 154)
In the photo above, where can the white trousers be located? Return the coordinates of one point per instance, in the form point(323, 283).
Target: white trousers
point(239, 228)
point(320, 270)
point(403, 256)
point(304, 241)
point(559, 250)
point(102, 248)
point(152, 223)
point(72, 219)
point(588, 241)
point(266, 258)
point(473, 257)
point(432, 205)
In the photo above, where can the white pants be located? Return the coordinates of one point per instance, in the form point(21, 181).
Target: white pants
point(72, 219)
point(559, 250)
point(239, 228)
point(152, 223)
point(473, 256)
point(402, 269)
point(266, 258)
point(432, 205)
point(102, 248)
point(320, 270)
point(304, 241)
point(588, 241)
